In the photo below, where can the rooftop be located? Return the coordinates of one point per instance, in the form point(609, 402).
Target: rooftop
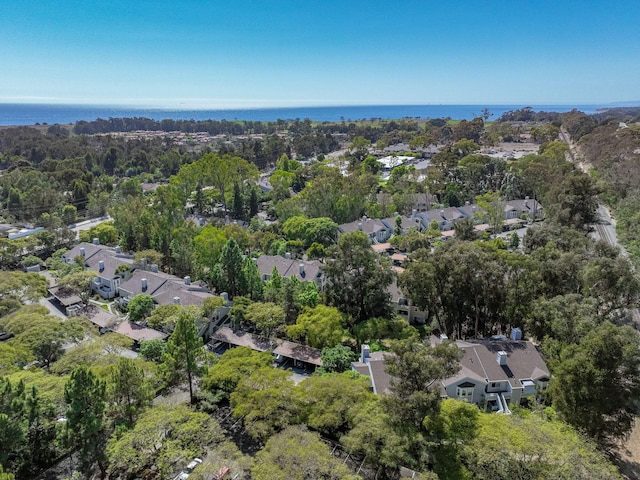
point(299, 352)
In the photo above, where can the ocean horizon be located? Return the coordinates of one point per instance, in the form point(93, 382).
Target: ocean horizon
point(13, 114)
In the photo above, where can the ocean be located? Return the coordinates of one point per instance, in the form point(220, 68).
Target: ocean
point(31, 114)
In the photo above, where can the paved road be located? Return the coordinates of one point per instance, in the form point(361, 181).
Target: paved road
point(87, 224)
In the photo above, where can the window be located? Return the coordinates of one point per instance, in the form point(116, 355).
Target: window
point(464, 392)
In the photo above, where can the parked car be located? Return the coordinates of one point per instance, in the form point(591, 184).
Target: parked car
point(184, 474)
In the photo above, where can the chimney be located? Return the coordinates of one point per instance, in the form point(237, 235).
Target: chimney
point(366, 353)
point(395, 214)
point(176, 300)
point(287, 255)
point(83, 252)
point(360, 226)
point(225, 297)
point(143, 262)
point(301, 267)
point(101, 266)
point(413, 213)
point(516, 334)
point(154, 268)
point(443, 338)
point(473, 208)
point(364, 218)
point(96, 241)
point(502, 358)
point(143, 283)
point(467, 203)
point(118, 250)
point(526, 202)
point(187, 280)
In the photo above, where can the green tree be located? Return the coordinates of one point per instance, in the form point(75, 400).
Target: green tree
point(153, 350)
point(268, 318)
point(140, 306)
point(232, 366)
point(414, 366)
point(337, 359)
point(266, 401)
point(596, 382)
point(106, 232)
point(331, 402)
point(6, 475)
point(78, 283)
point(533, 447)
point(358, 278)
point(320, 327)
point(228, 273)
point(130, 392)
point(252, 280)
point(184, 351)
point(172, 436)
point(297, 453)
point(85, 396)
point(576, 201)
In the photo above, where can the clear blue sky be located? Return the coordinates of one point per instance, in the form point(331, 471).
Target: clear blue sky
point(234, 53)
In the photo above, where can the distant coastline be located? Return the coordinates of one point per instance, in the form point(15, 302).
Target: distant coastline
point(31, 114)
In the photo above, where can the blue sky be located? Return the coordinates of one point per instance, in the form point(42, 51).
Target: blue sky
point(237, 53)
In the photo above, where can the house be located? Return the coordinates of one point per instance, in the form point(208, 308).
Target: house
point(142, 281)
point(372, 365)
point(111, 269)
point(446, 218)
point(473, 212)
point(306, 271)
point(406, 224)
point(402, 306)
point(495, 372)
point(84, 250)
point(376, 230)
point(106, 261)
point(519, 208)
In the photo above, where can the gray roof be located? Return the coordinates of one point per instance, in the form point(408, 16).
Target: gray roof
point(470, 211)
point(139, 333)
point(479, 363)
point(288, 267)
point(89, 250)
point(523, 360)
point(373, 367)
point(407, 222)
point(98, 316)
point(111, 263)
point(154, 282)
point(240, 338)
point(368, 226)
point(65, 297)
point(188, 294)
point(522, 205)
point(299, 352)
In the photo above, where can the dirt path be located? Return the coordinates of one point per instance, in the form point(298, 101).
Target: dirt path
point(628, 454)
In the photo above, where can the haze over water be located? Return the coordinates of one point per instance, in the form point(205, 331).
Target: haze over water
point(30, 114)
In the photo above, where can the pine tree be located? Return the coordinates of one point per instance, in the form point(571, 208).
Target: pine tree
point(184, 350)
point(85, 396)
point(238, 202)
point(228, 271)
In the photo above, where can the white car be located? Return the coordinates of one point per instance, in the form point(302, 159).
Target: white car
point(184, 474)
